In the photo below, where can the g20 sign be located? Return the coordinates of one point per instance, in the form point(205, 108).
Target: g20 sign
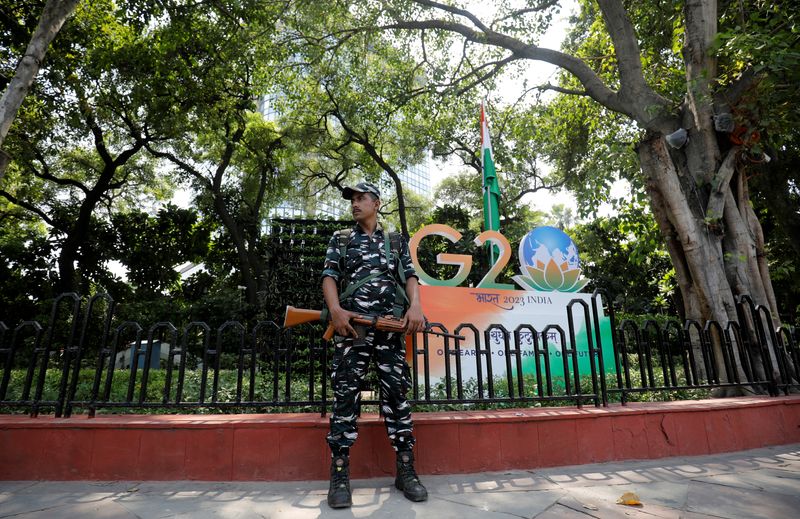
point(548, 260)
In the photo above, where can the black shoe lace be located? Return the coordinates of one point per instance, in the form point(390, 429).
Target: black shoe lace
point(407, 472)
point(340, 478)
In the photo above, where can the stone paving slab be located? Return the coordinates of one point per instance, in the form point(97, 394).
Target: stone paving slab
point(762, 480)
point(762, 483)
point(736, 502)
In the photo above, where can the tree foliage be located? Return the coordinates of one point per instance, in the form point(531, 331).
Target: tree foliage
point(624, 255)
point(136, 99)
point(53, 16)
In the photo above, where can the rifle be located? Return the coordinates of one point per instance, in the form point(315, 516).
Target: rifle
point(295, 316)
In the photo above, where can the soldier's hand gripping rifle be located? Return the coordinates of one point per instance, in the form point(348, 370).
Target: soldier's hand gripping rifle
point(295, 316)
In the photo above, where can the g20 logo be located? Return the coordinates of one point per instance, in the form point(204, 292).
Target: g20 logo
point(463, 261)
point(548, 260)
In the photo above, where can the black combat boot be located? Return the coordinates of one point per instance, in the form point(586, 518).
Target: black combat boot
point(339, 491)
point(407, 479)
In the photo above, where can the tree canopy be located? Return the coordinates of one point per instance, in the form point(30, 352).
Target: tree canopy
point(691, 103)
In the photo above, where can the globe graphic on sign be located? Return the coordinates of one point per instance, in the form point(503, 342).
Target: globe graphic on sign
point(549, 261)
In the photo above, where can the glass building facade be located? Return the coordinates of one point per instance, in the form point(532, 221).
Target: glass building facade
point(418, 177)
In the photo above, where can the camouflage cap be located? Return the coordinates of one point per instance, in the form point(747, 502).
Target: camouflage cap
point(361, 187)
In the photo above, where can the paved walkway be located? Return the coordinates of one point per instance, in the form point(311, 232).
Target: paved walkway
point(763, 483)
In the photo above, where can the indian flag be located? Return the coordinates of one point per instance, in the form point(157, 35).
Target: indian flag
point(491, 189)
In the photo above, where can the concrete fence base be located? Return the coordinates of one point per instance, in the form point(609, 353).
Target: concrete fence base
point(284, 447)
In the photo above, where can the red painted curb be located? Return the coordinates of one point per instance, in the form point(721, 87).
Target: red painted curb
point(284, 447)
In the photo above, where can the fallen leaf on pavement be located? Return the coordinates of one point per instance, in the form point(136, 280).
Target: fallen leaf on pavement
point(629, 499)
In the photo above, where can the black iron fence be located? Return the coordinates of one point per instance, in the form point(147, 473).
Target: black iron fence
point(84, 360)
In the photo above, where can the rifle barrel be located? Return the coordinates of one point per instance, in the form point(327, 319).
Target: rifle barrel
point(295, 316)
point(444, 334)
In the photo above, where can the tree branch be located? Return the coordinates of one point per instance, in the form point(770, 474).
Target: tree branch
point(556, 88)
point(185, 166)
point(45, 173)
point(498, 66)
point(30, 207)
point(225, 160)
point(626, 45)
point(534, 189)
point(464, 150)
point(376, 155)
point(720, 185)
point(97, 132)
point(594, 86)
point(522, 12)
point(336, 181)
point(121, 182)
point(637, 100)
point(731, 95)
point(456, 11)
point(633, 88)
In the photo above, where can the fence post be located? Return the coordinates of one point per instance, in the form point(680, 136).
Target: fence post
point(81, 344)
point(67, 351)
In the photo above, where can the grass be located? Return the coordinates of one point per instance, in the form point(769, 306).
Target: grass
point(298, 393)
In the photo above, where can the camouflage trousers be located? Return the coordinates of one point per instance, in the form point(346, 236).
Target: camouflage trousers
point(351, 359)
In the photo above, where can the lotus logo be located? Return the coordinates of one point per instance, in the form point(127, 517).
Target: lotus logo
point(549, 262)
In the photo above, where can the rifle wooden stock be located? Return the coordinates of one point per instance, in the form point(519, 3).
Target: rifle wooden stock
point(295, 316)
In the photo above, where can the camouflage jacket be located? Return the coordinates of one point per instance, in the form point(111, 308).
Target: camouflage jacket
point(366, 255)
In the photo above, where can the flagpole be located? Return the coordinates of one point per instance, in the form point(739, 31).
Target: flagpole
point(489, 227)
point(487, 195)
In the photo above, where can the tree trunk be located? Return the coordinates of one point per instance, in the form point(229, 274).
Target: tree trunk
point(79, 232)
point(696, 246)
point(247, 261)
point(398, 184)
point(701, 200)
point(53, 17)
point(372, 151)
point(251, 266)
point(715, 259)
point(401, 202)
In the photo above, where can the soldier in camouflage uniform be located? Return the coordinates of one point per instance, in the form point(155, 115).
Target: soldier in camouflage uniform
point(366, 256)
